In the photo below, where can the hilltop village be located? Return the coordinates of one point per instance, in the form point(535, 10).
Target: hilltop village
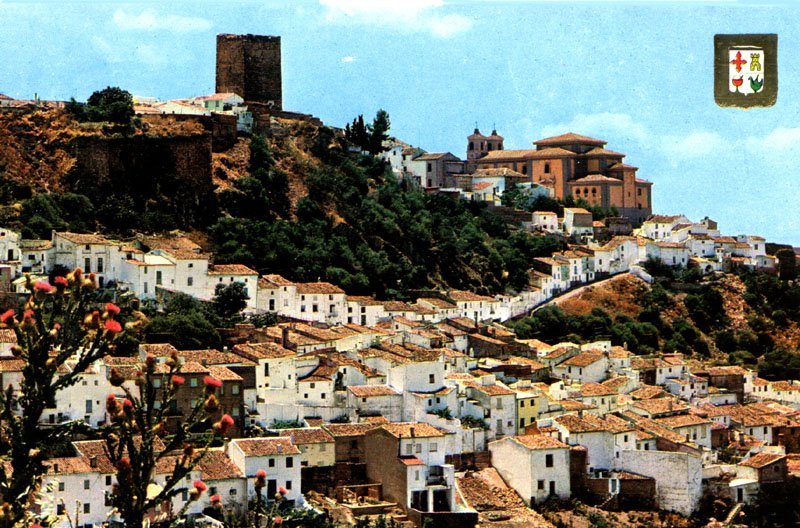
point(429, 411)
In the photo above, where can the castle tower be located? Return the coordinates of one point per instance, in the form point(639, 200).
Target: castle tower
point(250, 66)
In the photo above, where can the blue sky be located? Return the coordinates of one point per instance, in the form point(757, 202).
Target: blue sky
point(638, 75)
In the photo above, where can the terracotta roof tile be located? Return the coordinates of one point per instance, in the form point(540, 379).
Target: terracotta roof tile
point(308, 435)
point(231, 269)
point(266, 446)
point(540, 441)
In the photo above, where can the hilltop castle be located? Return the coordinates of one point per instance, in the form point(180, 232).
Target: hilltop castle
point(250, 66)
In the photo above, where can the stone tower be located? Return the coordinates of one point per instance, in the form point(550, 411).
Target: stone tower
point(250, 66)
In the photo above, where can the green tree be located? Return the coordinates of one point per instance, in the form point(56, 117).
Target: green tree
point(110, 104)
point(378, 131)
point(230, 299)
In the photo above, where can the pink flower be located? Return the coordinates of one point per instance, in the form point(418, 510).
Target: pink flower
point(277, 520)
point(35, 525)
point(61, 282)
point(177, 381)
point(112, 308)
point(216, 498)
point(111, 398)
point(261, 474)
point(127, 405)
point(7, 316)
point(113, 326)
point(42, 286)
point(213, 382)
point(200, 486)
point(282, 490)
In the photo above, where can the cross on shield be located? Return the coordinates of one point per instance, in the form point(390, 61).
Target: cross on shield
point(746, 69)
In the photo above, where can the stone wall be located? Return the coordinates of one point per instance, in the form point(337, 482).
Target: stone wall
point(250, 66)
point(150, 175)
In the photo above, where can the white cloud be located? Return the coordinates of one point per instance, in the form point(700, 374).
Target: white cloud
point(780, 139)
point(405, 15)
point(348, 58)
point(150, 20)
point(695, 144)
point(609, 124)
point(103, 46)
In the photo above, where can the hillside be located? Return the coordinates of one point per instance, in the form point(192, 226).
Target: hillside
point(295, 202)
point(743, 318)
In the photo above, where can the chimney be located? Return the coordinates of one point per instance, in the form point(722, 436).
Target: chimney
point(55, 467)
point(412, 431)
point(285, 337)
point(280, 449)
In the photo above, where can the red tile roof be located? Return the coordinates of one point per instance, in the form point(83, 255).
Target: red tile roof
point(266, 446)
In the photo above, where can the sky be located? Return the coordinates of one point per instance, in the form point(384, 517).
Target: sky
point(638, 75)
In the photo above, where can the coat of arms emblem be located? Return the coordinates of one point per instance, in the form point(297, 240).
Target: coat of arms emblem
point(745, 70)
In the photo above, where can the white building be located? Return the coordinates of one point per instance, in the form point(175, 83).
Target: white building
point(277, 456)
point(536, 466)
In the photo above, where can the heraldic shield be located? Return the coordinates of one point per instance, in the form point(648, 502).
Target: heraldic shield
point(745, 70)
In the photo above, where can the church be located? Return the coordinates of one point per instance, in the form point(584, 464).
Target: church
point(571, 165)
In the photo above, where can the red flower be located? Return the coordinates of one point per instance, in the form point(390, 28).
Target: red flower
point(200, 486)
point(177, 381)
point(261, 474)
point(113, 326)
point(7, 316)
point(282, 490)
point(61, 282)
point(213, 382)
point(127, 405)
point(124, 465)
point(112, 308)
point(216, 498)
point(226, 422)
point(277, 520)
point(35, 525)
point(42, 286)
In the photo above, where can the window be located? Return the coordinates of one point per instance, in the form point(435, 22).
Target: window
point(86, 484)
point(271, 462)
point(190, 281)
point(322, 396)
point(548, 460)
point(433, 447)
point(60, 486)
point(409, 448)
point(87, 263)
point(315, 308)
point(540, 484)
point(430, 168)
point(289, 462)
point(232, 491)
point(60, 509)
point(522, 404)
point(432, 378)
point(418, 448)
point(157, 383)
point(87, 508)
point(108, 480)
point(235, 389)
point(313, 385)
point(266, 369)
point(193, 382)
point(99, 264)
point(288, 484)
point(546, 171)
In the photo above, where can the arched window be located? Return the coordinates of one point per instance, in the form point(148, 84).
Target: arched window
point(471, 145)
point(594, 190)
point(524, 169)
point(547, 168)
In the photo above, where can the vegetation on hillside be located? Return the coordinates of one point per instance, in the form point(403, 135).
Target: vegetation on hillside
point(360, 228)
point(747, 318)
